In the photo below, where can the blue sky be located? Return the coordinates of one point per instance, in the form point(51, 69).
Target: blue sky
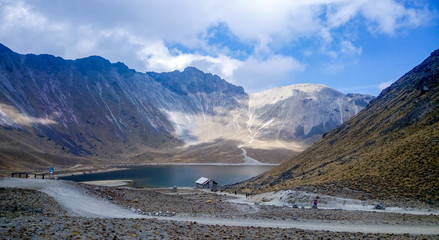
point(350, 45)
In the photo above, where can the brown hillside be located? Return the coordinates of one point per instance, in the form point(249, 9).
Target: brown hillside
point(390, 149)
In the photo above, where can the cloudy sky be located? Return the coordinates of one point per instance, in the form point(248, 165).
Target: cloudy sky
point(350, 45)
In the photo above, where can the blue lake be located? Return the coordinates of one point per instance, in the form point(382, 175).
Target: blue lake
point(177, 175)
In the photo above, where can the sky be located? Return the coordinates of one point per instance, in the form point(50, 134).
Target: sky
point(354, 46)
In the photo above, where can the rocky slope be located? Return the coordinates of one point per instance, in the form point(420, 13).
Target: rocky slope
point(301, 111)
point(296, 116)
point(390, 149)
point(56, 112)
point(87, 107)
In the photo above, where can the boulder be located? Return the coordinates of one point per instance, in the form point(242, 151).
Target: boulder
point(380, 207)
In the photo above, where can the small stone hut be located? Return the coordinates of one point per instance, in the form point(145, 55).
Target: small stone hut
point(204, 182)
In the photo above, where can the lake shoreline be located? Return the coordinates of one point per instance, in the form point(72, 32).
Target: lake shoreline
point(81, 169)
point(169, 175)
point(117, 167)
point(198, 164)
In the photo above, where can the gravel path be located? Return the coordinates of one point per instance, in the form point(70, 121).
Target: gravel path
point(71, 198)
point(79, 209)
point(316, 225)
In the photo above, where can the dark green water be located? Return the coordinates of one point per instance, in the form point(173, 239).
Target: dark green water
point(177, 175)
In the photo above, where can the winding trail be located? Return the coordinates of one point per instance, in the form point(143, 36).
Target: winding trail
point(71, 198)
point(78, 203)
point(247, 159)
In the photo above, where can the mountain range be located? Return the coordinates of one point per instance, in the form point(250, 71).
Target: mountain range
point(389, 150)
point(90, 111)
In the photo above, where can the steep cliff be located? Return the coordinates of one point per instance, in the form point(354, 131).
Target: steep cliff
point(87, 107)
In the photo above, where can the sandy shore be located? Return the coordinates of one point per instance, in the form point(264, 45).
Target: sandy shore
point(85, 170)
point(34, 214)
point(110, 183)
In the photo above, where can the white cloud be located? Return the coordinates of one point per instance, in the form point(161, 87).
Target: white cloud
point(349, 49)
point(385, 16)
point(138, 32)
point(157, 57)
point(390, 16)
point(19, 15)
point(270, 21)
point(384, 85)
point(259, 74)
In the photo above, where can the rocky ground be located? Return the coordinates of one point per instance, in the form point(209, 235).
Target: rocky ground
point(201, 203)
point(29, 214)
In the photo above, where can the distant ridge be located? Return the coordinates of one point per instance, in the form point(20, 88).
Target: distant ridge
point(390, 149)
point(56, 112)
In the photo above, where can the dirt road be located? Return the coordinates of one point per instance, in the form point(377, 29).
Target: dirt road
point(78, 203)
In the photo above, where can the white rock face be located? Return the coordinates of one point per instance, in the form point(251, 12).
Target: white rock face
point(300, 111)
point(292, 116)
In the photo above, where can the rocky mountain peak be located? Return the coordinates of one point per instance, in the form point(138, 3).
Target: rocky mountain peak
point(3, 49)
point(193, 71)
point(423, 77)
point(192, 81)
point(92, 64)
point(310, 109)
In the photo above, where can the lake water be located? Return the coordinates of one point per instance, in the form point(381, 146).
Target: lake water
point(177, 175)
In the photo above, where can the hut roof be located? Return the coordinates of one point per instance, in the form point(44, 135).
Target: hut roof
point(203, 180)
